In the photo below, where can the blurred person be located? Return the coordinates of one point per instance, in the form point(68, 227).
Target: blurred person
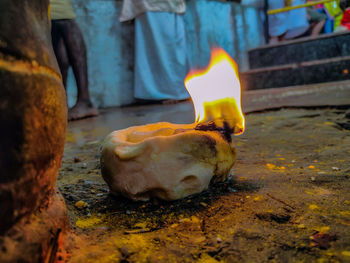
point(210, 24)
point(287, 25)
point(278, 24)
point(345, 21)
point(334, 13)
point(344, 5)
point(316, 18)
point(70, 50)
point(160, 49)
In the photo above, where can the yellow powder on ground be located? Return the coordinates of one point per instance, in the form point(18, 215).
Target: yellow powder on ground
point(313, 207)
point(88, 222)
point(205, 258)
point(328, 123)
point(80, 204)
point(346, 253)
point(345, 213)
point(322, 229)
point(258, 198)
point(275, 167)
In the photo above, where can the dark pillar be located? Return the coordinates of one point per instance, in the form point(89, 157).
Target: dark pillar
point(266, 22)
point(33, 117)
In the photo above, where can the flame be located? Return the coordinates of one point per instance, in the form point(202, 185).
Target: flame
point(216, 92)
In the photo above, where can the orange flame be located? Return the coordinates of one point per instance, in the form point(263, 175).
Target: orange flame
point(216, 92)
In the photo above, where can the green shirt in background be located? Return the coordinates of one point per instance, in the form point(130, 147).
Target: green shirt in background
point(61, 9)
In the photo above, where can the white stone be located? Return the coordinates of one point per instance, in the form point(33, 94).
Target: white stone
point(164, 160)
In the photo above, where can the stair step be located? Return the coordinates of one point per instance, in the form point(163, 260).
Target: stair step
point(300, 50)
point(310, 72)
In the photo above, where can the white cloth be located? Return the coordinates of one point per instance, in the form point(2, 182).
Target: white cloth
point(298, 23)
point(134, 8)
point(160, 56)
point(278, 23)
point(294, 23)
point(253, 3)
point(209, 24)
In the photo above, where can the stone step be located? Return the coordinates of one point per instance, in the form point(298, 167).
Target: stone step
point(310, 72)
point(300, 50)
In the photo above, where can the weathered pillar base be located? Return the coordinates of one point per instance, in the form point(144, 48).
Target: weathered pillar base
point(33, 117)
point(36, 238)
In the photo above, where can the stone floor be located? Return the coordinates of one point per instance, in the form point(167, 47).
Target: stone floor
point(287, 200)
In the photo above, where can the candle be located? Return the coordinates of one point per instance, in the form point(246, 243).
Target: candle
point(172, 161)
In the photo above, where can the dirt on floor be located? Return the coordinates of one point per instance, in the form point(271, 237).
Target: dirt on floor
point(288, 200)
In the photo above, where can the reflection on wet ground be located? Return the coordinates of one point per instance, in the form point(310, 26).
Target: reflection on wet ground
point(94, 129)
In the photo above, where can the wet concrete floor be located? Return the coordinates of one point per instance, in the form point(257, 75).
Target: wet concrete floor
point(287, 201)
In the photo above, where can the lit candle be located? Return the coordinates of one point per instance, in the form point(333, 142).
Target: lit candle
point(172, 161)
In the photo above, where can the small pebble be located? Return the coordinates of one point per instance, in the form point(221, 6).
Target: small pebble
point(77, 160)
point(124, 251)
point(71, 197)
point(347, 114)
point(313, 178)
point(335, 168)
point(81, 204)
point(88, 183)
point(232, 190)
point(128, 212)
